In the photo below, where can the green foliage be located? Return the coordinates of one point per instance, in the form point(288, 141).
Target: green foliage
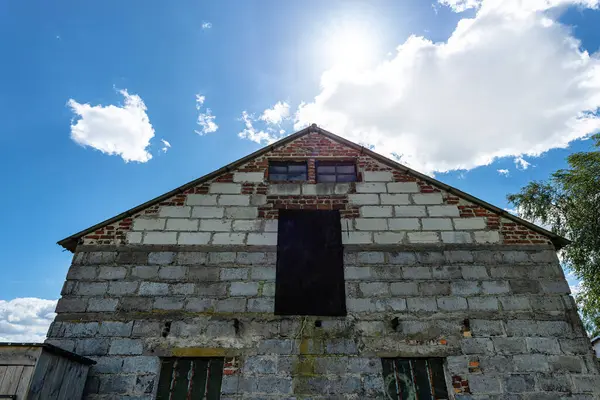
point(569, 203)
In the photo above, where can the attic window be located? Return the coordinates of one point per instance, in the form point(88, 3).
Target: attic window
point(288, 171)
point(336, 171)
point(416, 378)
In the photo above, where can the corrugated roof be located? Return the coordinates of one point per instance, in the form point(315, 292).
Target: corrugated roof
point(70, 243)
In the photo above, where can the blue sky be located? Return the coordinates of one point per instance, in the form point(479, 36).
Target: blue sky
point(460, 98)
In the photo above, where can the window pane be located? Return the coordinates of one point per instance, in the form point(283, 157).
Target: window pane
point(281, 169)
point(296, 177)
point(297, 168)
point(345, 169)
point(346, 178)
point(326, 169)
point(326, 178)
point(278, 177)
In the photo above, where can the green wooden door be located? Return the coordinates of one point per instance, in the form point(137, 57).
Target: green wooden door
point(190, 379)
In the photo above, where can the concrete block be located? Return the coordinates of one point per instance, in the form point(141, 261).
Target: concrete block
point(91, 288)
point(386, 273)
point(443, 211)
point(243, 289)
point(262, 273)
point(258, 199)
point(486, 327)
point(225, 188)
point(465, 288)
point(134, 237)
point(148, 224)
point(494, 287)
point(276, 346)
point(201, 200)
point(423, 237)
point(456, 237)
point(476, 272)
point(560, 363)
point(577, 346)
point(543, 345)
point(558, 286)
point(404, 289)
point(428, 198)
point(134, 303)
point(78, 330)
point(168, 303)
point(161, 258)
point(251, 258)
point(371, 257)
point(394, 199)
point(122, 288)
point(521, 286)
point(357, 273)
point(231, 304)
point(207, 212)
point(153, 289)
point(260, 365)
point(458, 256)
point(403, 187)
point(141, 365)
point(224, 257)
point(145, 272)
point(531, 363)
point(285, 189)
point(509, 345)
point(486, 236)
point(112, 273)
point(446, 272)
point(434, 288)
point(101, 304)
point(183, 288)
point(554, 383)
point(395, 304)
point(364, 305)
point(453, 303)
point(378, 176)
point(347, 224)
point(485, 303)
point(324, 189)
point(233, 274)
point(477, 346)
point(261, 305)
point(112, 328)
point(126, 347)
point(193, 238)
point(246, 225)
point(271, 225)
point(375, 211)
point(404, 224)
point(262, 239)
point(371, 187)
point(341, 346)
point(410, 211)
point(363, 198)
point(371, 224)
point(586, 383)
point(255, 177)
point(427, 304)
point(411, 273)
point(436, 224)
point(466, 224)
point(374, 289)
point(228, 238)
point(268, 289)
point(389, 237)
point(173, 273)
point(175, 211)
point(241, 212)
point(199, 304)
point(402, 258)
point(234, 200)
point(160, 238)
point(357, 237)
point(92, 347)
point(215, 225)
point(519, 383)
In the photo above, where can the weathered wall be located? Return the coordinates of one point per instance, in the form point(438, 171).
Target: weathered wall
point(502, 317)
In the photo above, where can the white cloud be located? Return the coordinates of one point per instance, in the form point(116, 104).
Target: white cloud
point(206, 25)
point(504, 172)
point(166, 145)
point(25, 319)
point(521, 164)
point(275, 115)
point(461, 5)
point(256, 135)
point(116, 130)
point(507, 83)
point(205, 119)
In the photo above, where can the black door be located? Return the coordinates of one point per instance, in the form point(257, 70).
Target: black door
point(310, 269)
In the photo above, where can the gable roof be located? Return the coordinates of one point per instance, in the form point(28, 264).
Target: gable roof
point(70, 243)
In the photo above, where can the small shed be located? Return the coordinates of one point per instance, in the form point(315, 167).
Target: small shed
point(41, 371)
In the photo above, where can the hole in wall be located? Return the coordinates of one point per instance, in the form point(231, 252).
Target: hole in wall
point(236, 326)
point(166, 329)
point(318, 323)
point(395, 323)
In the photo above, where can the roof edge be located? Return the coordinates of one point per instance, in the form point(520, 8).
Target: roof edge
point(70, 243)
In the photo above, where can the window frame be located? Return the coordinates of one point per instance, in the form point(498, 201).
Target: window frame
point(209, 379)
point(427, 377)
point(287, 164)
point(336, 164)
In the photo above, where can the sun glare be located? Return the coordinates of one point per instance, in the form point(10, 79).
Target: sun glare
point(353, 44)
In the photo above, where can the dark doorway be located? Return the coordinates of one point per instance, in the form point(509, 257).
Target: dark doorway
point(310, 264)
